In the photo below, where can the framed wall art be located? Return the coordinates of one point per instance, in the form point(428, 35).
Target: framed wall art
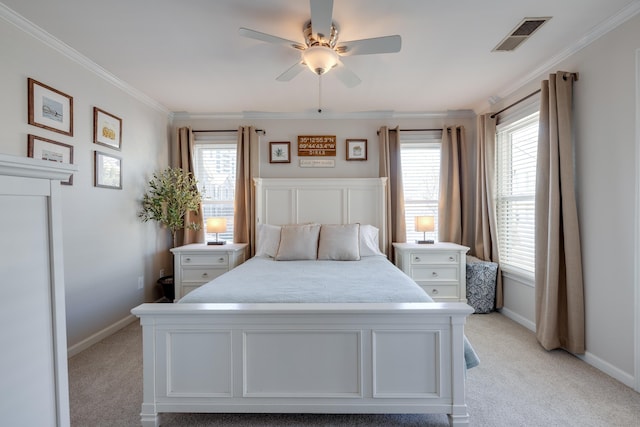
point(107, 129)
point(52, 151)
point(49, 108)
point(107, 171)
point(280, 152)
point(356, 149)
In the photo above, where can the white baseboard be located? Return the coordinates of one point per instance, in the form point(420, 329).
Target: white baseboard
point(609, 369)
point(589, 358)
point(100, 335)
point(518, 319)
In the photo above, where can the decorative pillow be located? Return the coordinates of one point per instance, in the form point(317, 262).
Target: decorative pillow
point(369, 244)
point(268, 240)
point(339, 242)
point(298, 242)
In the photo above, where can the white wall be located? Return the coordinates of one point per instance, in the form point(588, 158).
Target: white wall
point(606, 177)
point(106, 248)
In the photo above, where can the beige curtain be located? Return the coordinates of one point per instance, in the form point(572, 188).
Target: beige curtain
point(455, 210)
point(558, 276)
point(182, 157)
point(391, 168)
point(244, 214)
point(485, 244)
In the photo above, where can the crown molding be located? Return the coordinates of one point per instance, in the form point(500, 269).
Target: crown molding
point(363, 115)
point(41, 35)
point(628, 12)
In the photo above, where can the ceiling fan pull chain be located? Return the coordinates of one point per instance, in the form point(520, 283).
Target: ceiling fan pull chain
point(319, 94)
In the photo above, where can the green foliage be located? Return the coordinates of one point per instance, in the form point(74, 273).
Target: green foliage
point(171, 194)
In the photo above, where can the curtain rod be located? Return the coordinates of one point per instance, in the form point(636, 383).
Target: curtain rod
point(415, 130)
point(515, 103)
point(226, 130)
point(564, 77)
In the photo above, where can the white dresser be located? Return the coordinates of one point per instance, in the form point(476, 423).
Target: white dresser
point(33, 361)
point(196, 264)
point(439, 268)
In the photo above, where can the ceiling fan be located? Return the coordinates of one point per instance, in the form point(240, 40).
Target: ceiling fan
point(321, 50)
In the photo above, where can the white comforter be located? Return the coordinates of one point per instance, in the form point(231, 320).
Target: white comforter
point(261, 279)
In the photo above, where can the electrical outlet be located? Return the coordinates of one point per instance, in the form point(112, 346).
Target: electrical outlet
point(161, 273)
point(141, 282)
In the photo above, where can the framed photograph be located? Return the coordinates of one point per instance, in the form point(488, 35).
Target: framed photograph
point(53, 151)
point(280, 152)
point(49, 108)
point(107, 171)
point(107, 129)
point(356, 149)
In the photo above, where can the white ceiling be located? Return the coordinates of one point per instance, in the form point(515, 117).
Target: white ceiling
point(187, 54)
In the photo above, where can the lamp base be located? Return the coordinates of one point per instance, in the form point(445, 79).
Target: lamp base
point(424, 242)
point(217, 242)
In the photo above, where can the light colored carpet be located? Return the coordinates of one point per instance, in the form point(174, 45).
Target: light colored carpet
point(517, 384)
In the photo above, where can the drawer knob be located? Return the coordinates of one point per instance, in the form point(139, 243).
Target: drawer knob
point(434, 291)
point(221, 259)
point(451, 258)
point(434, 274)
point(417, 259)
point(187, 260)
point(205, 274)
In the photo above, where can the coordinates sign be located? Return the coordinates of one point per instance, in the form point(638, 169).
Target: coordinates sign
point(317, 145)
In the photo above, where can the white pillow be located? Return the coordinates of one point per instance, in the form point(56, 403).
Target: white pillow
point(369, 245)
point(268, 240)
point(339, 242)
point(298, 242)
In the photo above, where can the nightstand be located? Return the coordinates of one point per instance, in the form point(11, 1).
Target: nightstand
point(198, 263)
point(439, 268)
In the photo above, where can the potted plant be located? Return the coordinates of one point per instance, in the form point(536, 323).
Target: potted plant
point(171, 194)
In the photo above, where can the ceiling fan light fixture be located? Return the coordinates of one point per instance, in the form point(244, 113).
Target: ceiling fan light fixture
point(320, 59)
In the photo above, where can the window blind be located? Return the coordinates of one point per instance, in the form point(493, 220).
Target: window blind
point(215, 170)
point(421, 180)
point(516, 158)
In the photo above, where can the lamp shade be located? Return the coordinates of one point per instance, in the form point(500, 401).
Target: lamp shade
point(425, 224)
point(216, 225)
point(320, 59)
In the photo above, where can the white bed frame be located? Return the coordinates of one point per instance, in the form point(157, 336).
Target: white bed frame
point(306, 358)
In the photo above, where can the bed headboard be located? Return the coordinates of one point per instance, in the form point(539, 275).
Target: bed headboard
point(282, 201)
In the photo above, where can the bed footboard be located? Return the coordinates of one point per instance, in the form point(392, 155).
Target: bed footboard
point(304, 358)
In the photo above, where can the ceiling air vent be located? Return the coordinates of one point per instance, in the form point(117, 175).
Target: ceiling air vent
point(522, 32)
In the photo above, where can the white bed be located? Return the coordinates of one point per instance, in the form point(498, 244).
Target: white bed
point(332, 355)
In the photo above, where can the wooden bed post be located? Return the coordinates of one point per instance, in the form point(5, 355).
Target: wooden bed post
point(149, 413)
point(459, 415)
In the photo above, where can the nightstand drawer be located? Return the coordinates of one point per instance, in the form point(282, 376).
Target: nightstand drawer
point(204, 259)
point(435, 274)
point(201, 275)
point(434, 258)
point(440, 291)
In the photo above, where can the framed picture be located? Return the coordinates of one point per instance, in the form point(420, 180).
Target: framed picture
point(356, 149)
point(107, 129)
point(107, 171)
point(280, 152)
point(49, 108)
point(53, 151)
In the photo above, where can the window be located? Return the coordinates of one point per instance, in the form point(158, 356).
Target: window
point(516, 153)
point(214, 161)
point(420, 157)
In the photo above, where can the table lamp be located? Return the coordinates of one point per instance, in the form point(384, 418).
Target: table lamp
point(424, 224)
point(216, 225)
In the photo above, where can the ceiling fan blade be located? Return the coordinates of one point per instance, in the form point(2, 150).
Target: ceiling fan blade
point(345, 75)
point(386, 44)
point(293, 71)
point(321, 16)
point(257, 35)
